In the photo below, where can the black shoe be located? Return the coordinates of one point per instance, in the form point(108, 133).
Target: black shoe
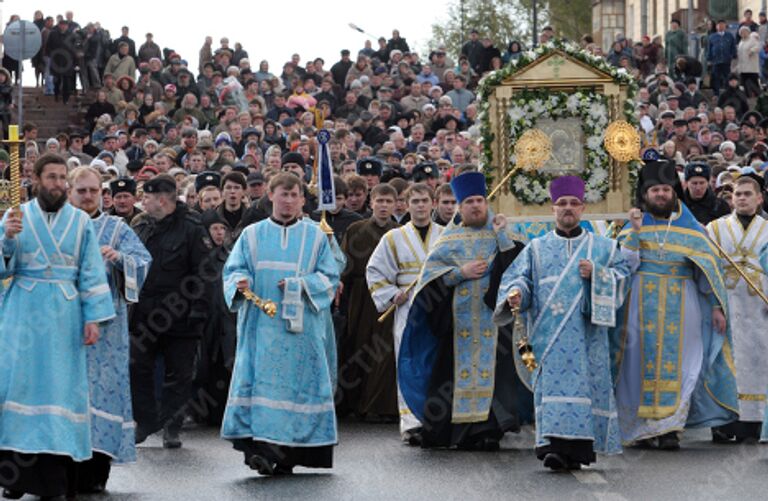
point(171, 439)
point(669, 441)
point(93, 489)
point(261, 464)
point(720, 437)
point(555, 462)
point(488, 445)
point(10, 494)
point(281, 469)
point(646, 443)
point(413, 437)
point(143, 433)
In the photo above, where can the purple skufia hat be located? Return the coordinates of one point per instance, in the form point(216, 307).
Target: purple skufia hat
point(566, 186)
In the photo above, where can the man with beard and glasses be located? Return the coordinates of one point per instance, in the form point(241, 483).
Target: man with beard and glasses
point(454, 368)
point(127, 262)
point(570, 281)
point(57, 297)
point(674, 356)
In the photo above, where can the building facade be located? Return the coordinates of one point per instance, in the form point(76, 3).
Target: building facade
point(635, 18)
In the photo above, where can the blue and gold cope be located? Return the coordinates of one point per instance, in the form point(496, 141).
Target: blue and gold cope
point(670, 253)
point(475, 337)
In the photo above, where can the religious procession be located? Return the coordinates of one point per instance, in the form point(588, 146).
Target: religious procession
point(528, 262)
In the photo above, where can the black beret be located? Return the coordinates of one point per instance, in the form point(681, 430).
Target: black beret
point(162, 183)
point(369, 167)
point(123, 185)
point(425, 170)
point(207, 178)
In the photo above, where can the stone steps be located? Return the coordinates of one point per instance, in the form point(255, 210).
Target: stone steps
point(51, 116)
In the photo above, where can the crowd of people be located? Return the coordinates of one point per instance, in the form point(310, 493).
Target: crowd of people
point(200, 174)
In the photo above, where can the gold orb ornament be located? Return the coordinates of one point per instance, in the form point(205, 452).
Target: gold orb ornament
point(622, 141)
point(533, 149)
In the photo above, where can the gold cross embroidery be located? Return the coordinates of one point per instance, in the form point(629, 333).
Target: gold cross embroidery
point(673, 271)
point(488, 333)
point(672, 328)
point(464, 334)
point(649, 366)
point(464, 292)
point(465, 374)
point(669, 367)
point(675, 289)
point(650, 287)
point(650, 327)
point(485, 374)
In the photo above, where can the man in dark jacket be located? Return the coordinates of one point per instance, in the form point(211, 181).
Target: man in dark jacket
point(61, 49)
point(131, 44)
point(698, 196)
point(721, 50)
point(340, 69)
point(472, 49)
point(170, 315)
point(487, 54)
point(734, 96)
point(397, 43)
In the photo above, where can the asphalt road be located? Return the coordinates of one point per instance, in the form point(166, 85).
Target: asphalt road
point(371, 463)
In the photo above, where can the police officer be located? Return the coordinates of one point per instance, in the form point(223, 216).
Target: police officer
point(699, 197)
point(124, 199)
point(426, 172)
point(170, 315)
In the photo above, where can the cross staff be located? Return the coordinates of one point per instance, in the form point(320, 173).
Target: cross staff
point(13, 142)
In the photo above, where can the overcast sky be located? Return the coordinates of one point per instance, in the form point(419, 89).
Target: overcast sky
point(267, 30)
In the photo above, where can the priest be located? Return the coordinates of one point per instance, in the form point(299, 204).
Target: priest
point(570, 282)
point(127, 262)
point(742, 235)
point(280, 410)
point(455, 370)
point(674, 353)
point(393, 267)
point(57, 297)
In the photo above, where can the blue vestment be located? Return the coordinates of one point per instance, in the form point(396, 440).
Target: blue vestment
point(282, 384)
point(673, 370)
point(59, 284)
point(475, 337)
point(568, 319)
point(112, 426)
